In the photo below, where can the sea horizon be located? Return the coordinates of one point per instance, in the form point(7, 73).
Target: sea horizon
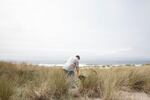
point(85, 62)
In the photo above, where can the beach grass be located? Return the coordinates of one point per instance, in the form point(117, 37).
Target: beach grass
point(31, 82)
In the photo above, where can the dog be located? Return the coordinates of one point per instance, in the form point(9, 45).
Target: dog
point(81, 77)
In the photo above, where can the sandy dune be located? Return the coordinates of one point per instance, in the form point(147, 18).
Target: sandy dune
point(124, 95)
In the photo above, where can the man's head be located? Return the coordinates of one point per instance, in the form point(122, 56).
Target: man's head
point(78, 57)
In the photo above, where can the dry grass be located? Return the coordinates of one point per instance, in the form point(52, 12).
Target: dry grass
point(28, 82)
point(6, 89)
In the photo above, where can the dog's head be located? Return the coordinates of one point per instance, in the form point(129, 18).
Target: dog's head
point(81, 77)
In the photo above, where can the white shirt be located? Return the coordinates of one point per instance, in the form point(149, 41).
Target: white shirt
point(71, 64)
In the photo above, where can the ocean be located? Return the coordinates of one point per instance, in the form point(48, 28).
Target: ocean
point(83, 61)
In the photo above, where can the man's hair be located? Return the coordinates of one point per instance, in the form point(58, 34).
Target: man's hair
point(78, 57)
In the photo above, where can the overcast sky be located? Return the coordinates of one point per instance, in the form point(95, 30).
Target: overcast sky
point(59, 28)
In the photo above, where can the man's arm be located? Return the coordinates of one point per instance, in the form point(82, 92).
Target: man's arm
point(77, 68)
point(78, 71)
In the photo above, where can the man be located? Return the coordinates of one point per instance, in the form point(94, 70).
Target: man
point(72, 65)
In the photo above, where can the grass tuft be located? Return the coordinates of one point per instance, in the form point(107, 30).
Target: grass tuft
point(6, 89)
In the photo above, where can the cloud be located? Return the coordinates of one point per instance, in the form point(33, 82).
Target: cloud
point(121, 50)
point(115, 51)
